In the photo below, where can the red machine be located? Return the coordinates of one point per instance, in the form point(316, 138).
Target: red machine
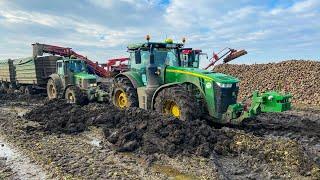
point(39, 49)
point(231, 55)
point(116, 66)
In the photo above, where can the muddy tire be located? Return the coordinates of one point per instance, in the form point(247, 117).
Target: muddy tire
point(22, 89)
point(124, 94)
point(178, 102)
point(74, 95)
point(28, 90)
point(11, 89)
point(4, 87)
point(52, 89)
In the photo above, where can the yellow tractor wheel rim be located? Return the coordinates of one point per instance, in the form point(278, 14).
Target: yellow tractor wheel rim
point(122, 99)
point(52, 90)
point(172, 108)
point(70, 97)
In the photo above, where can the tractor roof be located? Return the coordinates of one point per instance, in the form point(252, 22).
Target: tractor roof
point(136, 46)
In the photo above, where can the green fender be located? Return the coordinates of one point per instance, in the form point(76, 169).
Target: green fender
point(134, 77)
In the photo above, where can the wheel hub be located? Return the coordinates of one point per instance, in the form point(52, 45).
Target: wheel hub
point(52, 90)
point(70, 98)
point(121, 99)
point(172, 108)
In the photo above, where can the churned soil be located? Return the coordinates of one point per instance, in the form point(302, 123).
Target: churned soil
point(130, 129)
point(8, 98)
point(272, 150)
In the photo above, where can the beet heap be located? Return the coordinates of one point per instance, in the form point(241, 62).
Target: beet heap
point(300, 78)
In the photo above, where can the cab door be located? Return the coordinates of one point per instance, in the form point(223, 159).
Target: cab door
point(61, 72)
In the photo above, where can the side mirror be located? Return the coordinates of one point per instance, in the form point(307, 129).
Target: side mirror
point(137, 56)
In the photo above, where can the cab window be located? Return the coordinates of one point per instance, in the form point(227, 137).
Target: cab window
point(60, 68)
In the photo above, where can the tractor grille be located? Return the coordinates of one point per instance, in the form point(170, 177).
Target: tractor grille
point(225, 97)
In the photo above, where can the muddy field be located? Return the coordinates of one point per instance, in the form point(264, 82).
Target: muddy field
point(56, 140)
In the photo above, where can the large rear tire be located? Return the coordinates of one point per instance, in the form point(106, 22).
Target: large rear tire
point(52, 89)
point(124, 95)
point(178, 102)
point(74, 95)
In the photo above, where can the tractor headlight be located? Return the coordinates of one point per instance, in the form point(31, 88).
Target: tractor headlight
point(93, 85)
point(222, 85)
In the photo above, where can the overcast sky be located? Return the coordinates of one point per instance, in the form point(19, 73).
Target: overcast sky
point(271, 30)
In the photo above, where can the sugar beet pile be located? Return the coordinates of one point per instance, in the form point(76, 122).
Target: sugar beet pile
point(300, 78)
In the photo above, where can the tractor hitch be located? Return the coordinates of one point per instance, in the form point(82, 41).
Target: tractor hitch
point(266, 102)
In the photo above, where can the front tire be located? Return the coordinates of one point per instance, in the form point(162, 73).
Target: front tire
point(74, 95)
point(178, 102)
point(52, 89)
point(124, 95)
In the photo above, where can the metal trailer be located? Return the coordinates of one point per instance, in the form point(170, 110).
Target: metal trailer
point(32, 74)
point(7, 74)
point(27, 75)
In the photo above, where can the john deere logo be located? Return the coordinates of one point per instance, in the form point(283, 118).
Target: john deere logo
point(208, 85)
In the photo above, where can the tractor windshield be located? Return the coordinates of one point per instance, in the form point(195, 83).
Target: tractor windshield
point(166, 56)
point(77, 66)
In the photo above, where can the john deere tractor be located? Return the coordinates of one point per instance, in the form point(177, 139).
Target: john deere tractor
point(73, 82)
point(158, 79)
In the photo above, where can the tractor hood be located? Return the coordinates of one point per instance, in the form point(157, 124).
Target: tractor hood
point(205, 74)
point(84, 75)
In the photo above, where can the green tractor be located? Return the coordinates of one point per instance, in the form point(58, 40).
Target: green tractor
point(73, 82)
point(158, 79)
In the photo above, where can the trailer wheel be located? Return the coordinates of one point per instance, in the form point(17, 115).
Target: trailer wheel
point(28, 90)
point(178, 102)
point(22, 89)
point(4, 87)
point(74, 95)
point(124, 94)
point(52, 89)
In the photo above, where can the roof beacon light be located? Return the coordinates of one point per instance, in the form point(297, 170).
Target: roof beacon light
point(148, 37)
point(183, 40)
point(169, 41)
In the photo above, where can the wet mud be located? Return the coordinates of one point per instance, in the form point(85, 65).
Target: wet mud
point(135, 143)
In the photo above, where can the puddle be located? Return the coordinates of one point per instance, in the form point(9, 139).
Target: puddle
point(172, 173)
point(95, 142)
point(20, 111)
point(21, 165)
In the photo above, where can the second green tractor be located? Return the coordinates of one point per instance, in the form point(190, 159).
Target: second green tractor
point(161, 78)
point(73, 82)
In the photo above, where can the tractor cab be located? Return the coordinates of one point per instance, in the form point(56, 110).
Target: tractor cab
point(153, 57)
point(190, 57)
point(75, 72)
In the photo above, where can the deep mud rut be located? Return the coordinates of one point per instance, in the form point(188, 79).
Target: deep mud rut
point(271, 146)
